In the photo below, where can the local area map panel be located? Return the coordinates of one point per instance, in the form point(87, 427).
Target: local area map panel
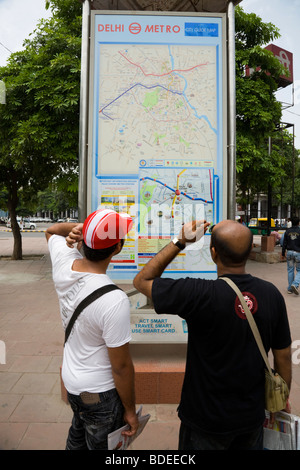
point(157, 133)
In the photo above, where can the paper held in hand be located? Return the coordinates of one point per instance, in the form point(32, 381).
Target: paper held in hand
point(117, 441)
point(283, 433)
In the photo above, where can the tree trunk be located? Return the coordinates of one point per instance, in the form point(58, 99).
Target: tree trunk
point(17, 250)
point(12, 205)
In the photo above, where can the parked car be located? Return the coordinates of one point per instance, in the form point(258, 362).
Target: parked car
point(25, 224)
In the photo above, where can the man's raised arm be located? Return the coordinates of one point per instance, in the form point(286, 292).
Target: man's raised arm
point(64, 229)
point(191, 232)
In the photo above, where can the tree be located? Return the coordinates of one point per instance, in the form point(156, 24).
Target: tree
point(39, 124)
point(55, 201)
point(258, 112)
point(288, 192)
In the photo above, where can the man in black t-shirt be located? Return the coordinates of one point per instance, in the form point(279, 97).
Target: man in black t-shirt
point(291, 246)
point(222, 400)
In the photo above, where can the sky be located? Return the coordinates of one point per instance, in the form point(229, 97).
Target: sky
point(285, 14)
point(18, 18)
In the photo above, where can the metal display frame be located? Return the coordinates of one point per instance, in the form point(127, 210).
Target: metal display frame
point(230, 153)
point(178, 332)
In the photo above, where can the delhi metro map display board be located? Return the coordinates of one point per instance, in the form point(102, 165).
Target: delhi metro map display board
point(156, 136)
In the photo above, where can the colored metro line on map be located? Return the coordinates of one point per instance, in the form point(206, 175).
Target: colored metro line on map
point(169, 197)
point(155, 102)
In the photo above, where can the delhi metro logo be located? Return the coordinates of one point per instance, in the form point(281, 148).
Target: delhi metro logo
point(135, 28)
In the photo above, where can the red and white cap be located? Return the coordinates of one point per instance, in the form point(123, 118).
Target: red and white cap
point(104, 228)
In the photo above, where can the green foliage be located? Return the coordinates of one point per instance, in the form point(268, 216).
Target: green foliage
point(258, 111)
point(288, 191)
point(251, 31)
point(56, 201)
point(39, 124)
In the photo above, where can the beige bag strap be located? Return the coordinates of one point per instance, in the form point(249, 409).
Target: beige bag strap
point(251, 321)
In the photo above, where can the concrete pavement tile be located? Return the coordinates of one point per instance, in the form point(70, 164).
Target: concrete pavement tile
point(18, 278)
point(23, 331)
point(293, 308)
point(38, 409)
point(11, 435)
point(55, 333)
point(66, 414)
point(38, 315)
point(157, 436)
point(55, 364)
point(30, 364)
point(14, 298)
point(167, 413)
point(8, 404)
point(57, 385)
point(39, 348)
point(9, 360)
point(54, 316)
point(45, 436)
point(33, 383)
point(8, 380)
point(295, 399)
point(10, 289)
point(15, 315)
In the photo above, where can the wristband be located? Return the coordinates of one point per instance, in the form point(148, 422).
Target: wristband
point(177, 243)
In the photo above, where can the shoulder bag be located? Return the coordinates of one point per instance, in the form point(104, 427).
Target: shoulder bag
point(276, 389)
point(83, 304)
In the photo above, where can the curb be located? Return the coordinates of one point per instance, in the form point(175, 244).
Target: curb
point(31, 231)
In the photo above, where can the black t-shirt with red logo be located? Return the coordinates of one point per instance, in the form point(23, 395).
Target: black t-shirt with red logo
point(223, 389)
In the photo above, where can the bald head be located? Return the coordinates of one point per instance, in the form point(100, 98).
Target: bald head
point(232, 242)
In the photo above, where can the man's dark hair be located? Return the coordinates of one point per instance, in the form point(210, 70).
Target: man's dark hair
point(295, 221)
point(228, 254)
point(99, 255)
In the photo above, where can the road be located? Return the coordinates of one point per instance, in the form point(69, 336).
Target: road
point(39, 232)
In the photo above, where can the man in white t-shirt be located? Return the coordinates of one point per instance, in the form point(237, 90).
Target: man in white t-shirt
point(97, 369)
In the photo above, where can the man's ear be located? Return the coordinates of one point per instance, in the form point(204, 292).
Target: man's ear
point(213, 253)
point(118, 248)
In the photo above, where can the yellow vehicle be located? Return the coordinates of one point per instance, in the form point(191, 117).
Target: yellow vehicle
point(260, 226)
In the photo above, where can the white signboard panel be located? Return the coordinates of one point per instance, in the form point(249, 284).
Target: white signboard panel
point(148, 327)
point(156, 134)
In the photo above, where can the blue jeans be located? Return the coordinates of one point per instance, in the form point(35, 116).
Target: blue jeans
point(197, 440)
point(92, 423)
point(293, 262)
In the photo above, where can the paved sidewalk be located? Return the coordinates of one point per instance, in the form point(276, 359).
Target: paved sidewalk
point(32, 414)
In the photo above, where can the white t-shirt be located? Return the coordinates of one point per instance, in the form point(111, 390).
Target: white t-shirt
point(104, 323)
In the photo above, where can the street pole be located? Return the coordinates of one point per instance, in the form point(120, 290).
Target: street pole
point(269, 192)
point(83, 113)
point(231, 113)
